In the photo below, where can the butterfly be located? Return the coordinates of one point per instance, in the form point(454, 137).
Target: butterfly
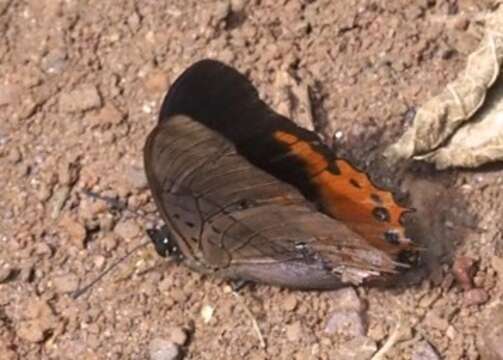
point(248, 195)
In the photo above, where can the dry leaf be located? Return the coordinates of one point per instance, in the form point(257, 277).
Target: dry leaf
point(438, 119)
point(478, 142)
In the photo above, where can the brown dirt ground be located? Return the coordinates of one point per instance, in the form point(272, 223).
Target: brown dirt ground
point(81, 85)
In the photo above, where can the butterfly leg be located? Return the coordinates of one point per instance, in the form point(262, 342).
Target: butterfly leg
point(237, 285)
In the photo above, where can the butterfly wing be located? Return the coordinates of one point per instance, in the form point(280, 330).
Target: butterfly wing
point(225, 101)
point(232, 218)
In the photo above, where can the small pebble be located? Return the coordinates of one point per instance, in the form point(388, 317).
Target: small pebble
point(346, 299)
point(68, 172)
point(347, 322)
point(110, 243)
point(39, 321)
point(136, 177)
point(359, 348)
point(207, 313)
point(14, 156)
point(127, 229)
point(26, 273)
point(75, 230)
point(66, 283)
point(461, 23)
point(435, 321)
point(81, 99)
point(424, 351)
point(475, 297)
point(157, 82)
point(9, 93)
point(58, 200)
point(294, 331)
point(178, 335)
point(161, 349)
point(99, 262)
point(43, 249)
point(221, 10)
point(238, 5)
point(290, 303)
point(36, 308)
point(31, 331)
point(54, 62)
point(464, 270)
point(490, 340)
point(109, 114)
point(497, 265)
point(6, 273)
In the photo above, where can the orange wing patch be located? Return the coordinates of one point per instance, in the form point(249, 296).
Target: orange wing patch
point(350, 197)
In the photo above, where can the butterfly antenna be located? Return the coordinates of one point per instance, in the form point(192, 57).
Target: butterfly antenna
point(121, 206)
point(115, 204)
point(84, 289)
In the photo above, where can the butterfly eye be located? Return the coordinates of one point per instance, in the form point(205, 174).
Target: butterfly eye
point(161, 239)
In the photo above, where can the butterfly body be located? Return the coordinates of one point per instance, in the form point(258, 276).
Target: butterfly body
point(248, 195)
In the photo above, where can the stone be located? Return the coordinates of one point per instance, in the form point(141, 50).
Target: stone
point(59, 198)
point(463, 270)
point(424, 351)
point(290, 302)
point(238, 5)
point(14, 156)
point(32, 331)
point(66, 283)
point(76, 230)
point(358, 348)
point(39, 320)
point(99, 262)
point(178, 335)
point(475, 297)
point(54, 62)
point(9, 93)
point(294, 331)
point(207, 313)
point(108, 115)
point(346, 299)
point(435, 321)
point(497, 265)
point(461, 23)
point(161, 349)
point(157, 82)
point(110, 243)
point(6, 273)
point(221, 10)
point(347, 322)
point(68, 172)
point(83, 98)
point(136, 177)
point(490, 339)
point(26, 273)
point(127, 229)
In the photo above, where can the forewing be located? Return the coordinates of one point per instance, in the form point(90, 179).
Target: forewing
point(224, 211)
point(224, 100)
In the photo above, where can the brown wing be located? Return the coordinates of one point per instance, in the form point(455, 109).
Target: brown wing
point(224, 100)
point(231, 217)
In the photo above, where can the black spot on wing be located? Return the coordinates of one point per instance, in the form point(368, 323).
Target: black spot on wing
point(381, 214)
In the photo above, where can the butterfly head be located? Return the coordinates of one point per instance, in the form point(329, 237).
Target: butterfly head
point(164, 243)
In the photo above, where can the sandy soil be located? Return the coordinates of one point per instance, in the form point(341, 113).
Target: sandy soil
point(80, 87)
